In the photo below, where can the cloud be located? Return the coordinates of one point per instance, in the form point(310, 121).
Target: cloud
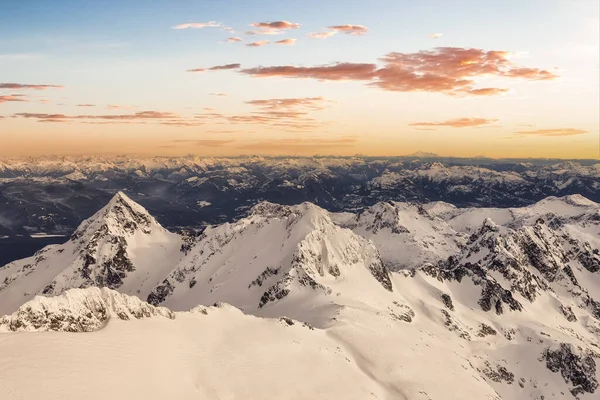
point(224, 67)
point(436, 35)
point(350, 29)
point(554, 132)
point(198, 25)
point(28, 86)
point(85, 105)
point(234, 39)
point(142, 115)
point(449, 70)
point(207, 142)
point(335, 72)
point(288, 113)
point(119, 107)
point(289, 42)
point(216, 68)
point(219, 94)
point(276, 25)
point(12, 97)
point(313, 103)
point(258, 44)
point(321, 35)
point(457, 123)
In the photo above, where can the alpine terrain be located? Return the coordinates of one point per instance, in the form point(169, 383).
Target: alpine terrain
point(396, 301)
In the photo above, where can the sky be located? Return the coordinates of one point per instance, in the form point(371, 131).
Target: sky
point(339, 77)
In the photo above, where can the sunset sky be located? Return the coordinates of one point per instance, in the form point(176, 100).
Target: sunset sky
point(506, 78)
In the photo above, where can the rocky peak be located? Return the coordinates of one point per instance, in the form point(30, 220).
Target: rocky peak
point(121, 217)
point(79, 310)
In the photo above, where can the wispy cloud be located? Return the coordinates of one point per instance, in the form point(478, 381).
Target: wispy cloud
point(13, 98)
point(283, 113)
point(258, 44)
point(276, 25)
point(553, 132)
point(28, 86)
point(216, 68)
point(348, 29)
point(85, 105)
point(198, 25)
point(289, 42)
point(234, 39)
point(457, 123)
point(449, 70)
point(436, 35)
point(321, 35)
point(120, 107)
point(142, 115)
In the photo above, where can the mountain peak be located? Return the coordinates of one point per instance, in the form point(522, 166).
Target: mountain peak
point(121, 216)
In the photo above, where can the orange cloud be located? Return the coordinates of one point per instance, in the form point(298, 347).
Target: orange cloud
point(336, 72)
point(258, 44)
point(224, 67)
point(216, 68)
point(12, 97)
point(449, 70)
point(234, 39)
point(350, 29)
point(457, 123)
point(142, 115)
point(290, 42)
point(276, 25)
point(554, 132)
point(321, 35)
point(198, 25)
point(119, 107)
point(289, 113)
point(28, 86)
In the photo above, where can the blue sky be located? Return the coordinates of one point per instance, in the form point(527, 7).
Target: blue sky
point(126, 53)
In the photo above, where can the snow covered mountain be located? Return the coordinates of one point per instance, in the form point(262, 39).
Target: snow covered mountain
point(405, 301)
point(120, 247)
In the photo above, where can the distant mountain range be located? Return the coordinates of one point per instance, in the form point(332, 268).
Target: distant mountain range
point(54, 195)
point(406, 300)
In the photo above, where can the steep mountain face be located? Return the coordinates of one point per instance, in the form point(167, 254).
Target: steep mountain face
point(405, 234)
point(79, 310)
point(120, 247)
point(276, 253)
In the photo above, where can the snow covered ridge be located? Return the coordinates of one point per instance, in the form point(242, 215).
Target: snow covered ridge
point(79, 310)
point(402, 300)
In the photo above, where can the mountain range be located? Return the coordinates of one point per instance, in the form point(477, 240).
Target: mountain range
point(401, 300)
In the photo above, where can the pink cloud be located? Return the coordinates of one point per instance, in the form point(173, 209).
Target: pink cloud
point(350, 29)
point(258, 44)
point(198, 25)
point(289, 42)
